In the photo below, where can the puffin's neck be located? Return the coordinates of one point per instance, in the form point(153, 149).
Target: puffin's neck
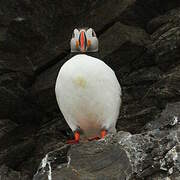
point(93, 54)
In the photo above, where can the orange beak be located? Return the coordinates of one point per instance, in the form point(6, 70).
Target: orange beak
point(82, 41)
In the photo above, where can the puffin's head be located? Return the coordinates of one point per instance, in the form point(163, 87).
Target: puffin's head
point(84, 40)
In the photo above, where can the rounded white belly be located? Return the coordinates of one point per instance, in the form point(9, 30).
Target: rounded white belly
point(88, 94)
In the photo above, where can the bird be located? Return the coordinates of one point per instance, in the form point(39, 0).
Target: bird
point(87, 90)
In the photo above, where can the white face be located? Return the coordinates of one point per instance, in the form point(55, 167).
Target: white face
point(84, 40)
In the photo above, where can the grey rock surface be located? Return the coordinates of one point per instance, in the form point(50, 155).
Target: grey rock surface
point(9, 174)
point(119, 156)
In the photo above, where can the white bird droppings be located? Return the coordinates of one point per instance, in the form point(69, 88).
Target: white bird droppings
point(50, 171)
point(44, 161)
point(69, 161)
point(42, 168)
point(175, 120)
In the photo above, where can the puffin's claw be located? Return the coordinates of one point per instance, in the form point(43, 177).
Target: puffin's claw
point(77, 137)
point(103, 134)
point(94, 138)
point(73, 141)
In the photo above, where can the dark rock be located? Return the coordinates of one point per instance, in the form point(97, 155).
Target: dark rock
point(164, 22)
point(123, 156)
point(146, 93)
point(139, 40)
point(16, 148)
point(168, 118)
point(100, 19)
point(9, 174)
point(143, 76)
point(122, 42)
point(6, 126)
point(12, 156)
point(16, 75)
point(165, 46)
point(102, 164)
point(167, 88)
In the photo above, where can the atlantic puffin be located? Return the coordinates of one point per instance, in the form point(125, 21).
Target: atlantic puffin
point(87, 90)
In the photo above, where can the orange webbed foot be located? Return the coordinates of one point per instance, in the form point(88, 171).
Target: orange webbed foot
point(75, 140)
point(103, 133)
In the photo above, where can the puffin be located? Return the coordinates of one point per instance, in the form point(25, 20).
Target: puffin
point(87, 90)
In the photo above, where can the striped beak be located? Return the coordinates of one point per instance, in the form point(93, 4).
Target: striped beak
point(82, 41)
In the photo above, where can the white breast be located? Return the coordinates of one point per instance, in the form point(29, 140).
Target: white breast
point(88, 94)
